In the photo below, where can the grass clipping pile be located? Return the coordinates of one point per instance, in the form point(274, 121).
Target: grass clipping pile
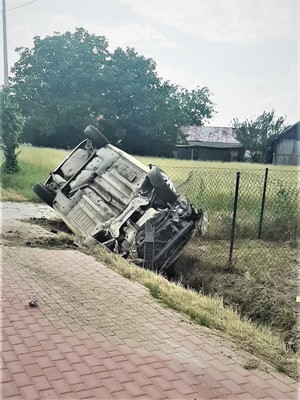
point(225, 299)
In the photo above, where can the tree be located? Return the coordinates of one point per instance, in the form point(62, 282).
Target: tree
point(257, 134)
point(195, 105)
point(132, 90)
point(142, 117)
point(70, 80)
point(148, 111)
point(12, 124)
point(60, 85)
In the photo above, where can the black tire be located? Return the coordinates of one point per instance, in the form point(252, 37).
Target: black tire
point(164, 191)
point(44, 194)
point(95, 136)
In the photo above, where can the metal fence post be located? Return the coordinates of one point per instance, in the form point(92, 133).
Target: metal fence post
point(235, 205)
point(263, 200)
point(149, 246)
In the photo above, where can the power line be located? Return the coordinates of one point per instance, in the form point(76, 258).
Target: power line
point(22, 5)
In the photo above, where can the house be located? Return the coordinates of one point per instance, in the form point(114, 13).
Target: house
point(209, 143)
point(286, 148)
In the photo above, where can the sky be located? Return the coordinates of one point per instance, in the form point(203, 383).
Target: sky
point(244, 51)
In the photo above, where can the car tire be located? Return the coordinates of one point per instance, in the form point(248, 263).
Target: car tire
point(160, 184)
point(95, 136)
point(44, 194)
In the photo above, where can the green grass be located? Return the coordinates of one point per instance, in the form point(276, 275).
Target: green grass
point(171, 163)
point(213, 189)
point(258, 284)
point(35, 166)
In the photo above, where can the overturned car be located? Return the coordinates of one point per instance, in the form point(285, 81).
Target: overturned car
point(107, 197)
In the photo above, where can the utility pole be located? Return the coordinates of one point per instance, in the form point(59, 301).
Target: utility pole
point(5, 59)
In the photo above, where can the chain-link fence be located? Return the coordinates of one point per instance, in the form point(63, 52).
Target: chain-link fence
point(264, 227)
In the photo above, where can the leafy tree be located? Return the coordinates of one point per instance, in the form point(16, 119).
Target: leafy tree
point(70, 80)
point(11, 127)
point(148, 112)
point(257, 134)
point(142, 114)
point(60, 85)
point(195, 105)
point(132, 88)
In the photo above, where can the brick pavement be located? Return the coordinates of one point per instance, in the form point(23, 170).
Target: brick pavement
point(97, 335)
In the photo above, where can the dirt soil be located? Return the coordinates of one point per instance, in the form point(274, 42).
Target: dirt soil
point(38, 237)
point(52, 225)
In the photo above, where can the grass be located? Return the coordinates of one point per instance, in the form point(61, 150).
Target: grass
point(213, 189)
point(257, 285)
point(35, 166)
point(166, 163)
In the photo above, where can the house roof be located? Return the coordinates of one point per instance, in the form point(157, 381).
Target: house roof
point(210, 136)
point(292, 132)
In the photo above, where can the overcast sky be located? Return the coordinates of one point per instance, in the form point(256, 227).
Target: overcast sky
point(245, 51)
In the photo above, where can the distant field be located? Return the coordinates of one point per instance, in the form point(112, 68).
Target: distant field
point(48, 157)
point(36, 163)
point(171, 163)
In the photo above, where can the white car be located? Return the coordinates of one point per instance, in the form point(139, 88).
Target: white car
point(105, 196)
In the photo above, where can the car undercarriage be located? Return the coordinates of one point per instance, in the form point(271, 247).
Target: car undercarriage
point(107, 197)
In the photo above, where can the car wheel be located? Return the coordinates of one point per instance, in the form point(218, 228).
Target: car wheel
point(95, 136)
point(162, 185)
point(44, 194)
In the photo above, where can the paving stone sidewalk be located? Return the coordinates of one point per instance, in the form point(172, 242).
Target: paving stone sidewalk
point(98, 335)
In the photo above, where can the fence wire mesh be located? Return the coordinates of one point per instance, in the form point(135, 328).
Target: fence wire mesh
point(266, 229)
